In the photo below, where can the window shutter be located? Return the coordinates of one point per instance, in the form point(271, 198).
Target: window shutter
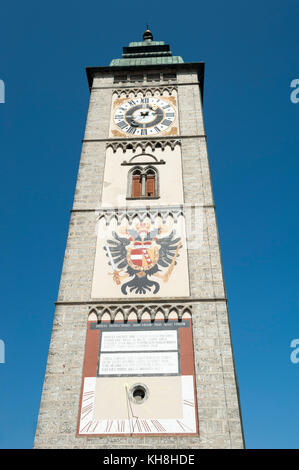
point(150, 185)
point(136, 186)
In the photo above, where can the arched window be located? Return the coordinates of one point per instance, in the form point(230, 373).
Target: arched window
point(150, 178)
point(136, 183)
point(143, 183)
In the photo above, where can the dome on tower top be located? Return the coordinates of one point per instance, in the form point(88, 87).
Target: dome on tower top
point(147, 35)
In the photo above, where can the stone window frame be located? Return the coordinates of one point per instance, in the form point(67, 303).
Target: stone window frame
point(120, 78)
point(143, 171)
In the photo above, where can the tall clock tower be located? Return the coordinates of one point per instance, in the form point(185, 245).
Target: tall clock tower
point(141, 354)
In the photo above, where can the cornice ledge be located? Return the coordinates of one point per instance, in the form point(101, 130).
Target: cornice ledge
point(148, 300)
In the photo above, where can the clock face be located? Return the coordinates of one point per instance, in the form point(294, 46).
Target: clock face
point(144, 116)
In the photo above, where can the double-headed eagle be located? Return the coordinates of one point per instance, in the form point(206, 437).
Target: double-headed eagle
point(141, 254)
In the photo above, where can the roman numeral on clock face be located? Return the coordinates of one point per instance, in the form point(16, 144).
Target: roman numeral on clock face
point(131, 130)
point(122, 124)
point(166, 122)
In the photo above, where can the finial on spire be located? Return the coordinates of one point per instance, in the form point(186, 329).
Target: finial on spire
point(147, 34)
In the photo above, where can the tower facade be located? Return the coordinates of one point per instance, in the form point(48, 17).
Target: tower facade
point(141, 354)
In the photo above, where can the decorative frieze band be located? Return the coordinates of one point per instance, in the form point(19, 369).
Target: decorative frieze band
point(153, 312)
point(148, 91)
point(130, 213)
point(143, 144)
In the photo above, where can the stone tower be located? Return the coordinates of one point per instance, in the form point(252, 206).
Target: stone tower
point(141, 354)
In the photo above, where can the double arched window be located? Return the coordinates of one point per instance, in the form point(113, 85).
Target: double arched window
point(143, 183)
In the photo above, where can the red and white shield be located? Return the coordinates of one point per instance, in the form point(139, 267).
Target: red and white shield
point(142, 255)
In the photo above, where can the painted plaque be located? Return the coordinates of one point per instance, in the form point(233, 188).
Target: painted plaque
point(158, 340)
point(138, 363)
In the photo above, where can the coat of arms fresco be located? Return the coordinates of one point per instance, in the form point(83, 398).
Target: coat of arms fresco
point(142, 257)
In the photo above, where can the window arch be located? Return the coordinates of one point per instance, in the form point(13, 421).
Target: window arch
point(143, 183)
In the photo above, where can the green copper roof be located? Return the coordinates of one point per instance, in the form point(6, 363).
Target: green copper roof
point(146, 61)
point(146, 43)
point(146, 52)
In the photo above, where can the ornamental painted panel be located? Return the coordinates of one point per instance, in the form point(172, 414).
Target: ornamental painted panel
point(141, 259)
point(144, 116)
point(138, 378)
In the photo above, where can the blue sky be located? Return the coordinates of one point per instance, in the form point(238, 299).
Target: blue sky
point(251, 54)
